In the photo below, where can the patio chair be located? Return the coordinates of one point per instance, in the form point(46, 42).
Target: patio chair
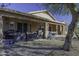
point(34, 35)
point(28, 36)
point(31, 36)
point(51, 35)
point(20, 36)
point(39, 34)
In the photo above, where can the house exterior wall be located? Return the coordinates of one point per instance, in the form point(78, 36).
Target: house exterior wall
point(58, 28)
point(34, 22)
point(53, 27)
point(31, 25)
point(34, 26)
point(6, 24)
point(62, 30)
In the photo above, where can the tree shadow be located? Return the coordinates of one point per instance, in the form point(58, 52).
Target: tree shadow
point(31, 52)
point(37, 50)
point(41, 48)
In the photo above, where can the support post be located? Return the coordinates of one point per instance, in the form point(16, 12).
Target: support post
point(64, 30)
point(46, 29)
point(60, 29)
point(57, 29)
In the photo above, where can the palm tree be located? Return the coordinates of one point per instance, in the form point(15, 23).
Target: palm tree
point(63, 9)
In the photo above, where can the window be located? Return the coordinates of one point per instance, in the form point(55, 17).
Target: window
point(11, 26)
point(19, 27)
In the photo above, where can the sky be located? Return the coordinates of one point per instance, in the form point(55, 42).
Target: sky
point(29, 7)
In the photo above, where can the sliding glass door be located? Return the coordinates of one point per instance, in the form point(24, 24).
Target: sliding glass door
point(19, 27)
point(22, 27)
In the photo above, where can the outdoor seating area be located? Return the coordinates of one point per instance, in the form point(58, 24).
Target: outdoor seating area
point(52, 34)
point(11, 36)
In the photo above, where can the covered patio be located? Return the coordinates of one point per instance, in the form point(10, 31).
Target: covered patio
point(23, 26)
point(28, 24)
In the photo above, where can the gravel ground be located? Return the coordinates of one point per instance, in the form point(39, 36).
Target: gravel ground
point(31, 48)
point(34, 49)
point(23, 52)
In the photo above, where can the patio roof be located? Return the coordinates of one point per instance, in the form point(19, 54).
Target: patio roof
point(52, 19)
point(28, 14)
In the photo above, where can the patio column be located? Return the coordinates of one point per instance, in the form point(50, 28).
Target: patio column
point(61, 29)
point(46, 29)
point(64, 30)
point(57, 29)
point(1, 28)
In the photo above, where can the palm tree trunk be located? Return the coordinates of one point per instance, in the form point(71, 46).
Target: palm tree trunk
point(71, 27)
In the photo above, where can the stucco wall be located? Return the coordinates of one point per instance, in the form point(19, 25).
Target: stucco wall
point(6, 24)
